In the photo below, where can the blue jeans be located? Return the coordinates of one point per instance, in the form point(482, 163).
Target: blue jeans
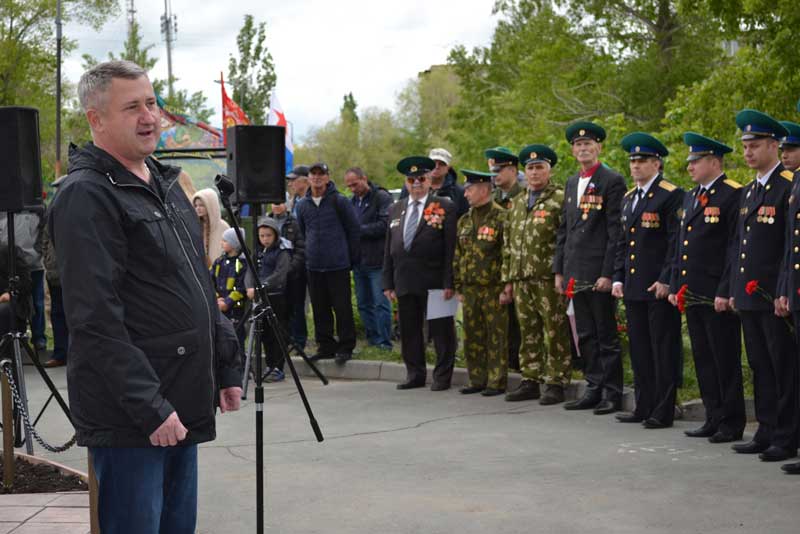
point(59, 322)
point(373, 307)
point(149, 490)
point(37, 322)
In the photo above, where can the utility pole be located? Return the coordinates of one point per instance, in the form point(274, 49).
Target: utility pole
point(131, 15)
point(169, 27)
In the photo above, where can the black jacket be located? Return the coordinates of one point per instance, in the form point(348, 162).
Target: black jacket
point(760, 235)
point(706, 242)
point(290, 230)
point(428, 264)
point(331, 231)
point(146, 336)
point(374, 222)
point(791, 279)
point(24, 286)
point(450, 189)
point(587, 239)
point(646, 250)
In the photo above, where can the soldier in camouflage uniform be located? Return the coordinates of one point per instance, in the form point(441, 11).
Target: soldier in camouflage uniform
point(533, 220)
point(476, 271)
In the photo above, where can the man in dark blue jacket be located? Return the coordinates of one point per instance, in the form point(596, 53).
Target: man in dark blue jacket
point(330, 225)
point(372, 207)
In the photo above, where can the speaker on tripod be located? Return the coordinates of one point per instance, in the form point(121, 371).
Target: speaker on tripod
point(21, 177)
point(257, 163)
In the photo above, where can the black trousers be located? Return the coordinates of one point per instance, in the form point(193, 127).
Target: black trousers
point(772, 356)
point(598, 342)
point(654, 331)
point(296, 308)
point(717, 351)
point(330, 294)
point(514, 339)
point(411, 316)
point(273, 355)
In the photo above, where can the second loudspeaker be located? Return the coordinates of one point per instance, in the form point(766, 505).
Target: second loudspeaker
point(257, 163)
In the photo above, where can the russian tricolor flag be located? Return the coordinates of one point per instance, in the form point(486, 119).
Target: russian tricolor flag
point(278, 118)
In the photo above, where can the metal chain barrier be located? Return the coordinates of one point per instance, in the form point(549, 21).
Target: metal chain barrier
point(26, 420)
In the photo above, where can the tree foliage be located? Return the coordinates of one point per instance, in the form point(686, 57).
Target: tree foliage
point(252, 76)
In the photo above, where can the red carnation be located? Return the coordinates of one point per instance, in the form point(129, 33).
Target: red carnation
point(751, 287)
point(570, 292)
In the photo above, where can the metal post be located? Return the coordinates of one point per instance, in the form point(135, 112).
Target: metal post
point(58, 88)
point(8, 434)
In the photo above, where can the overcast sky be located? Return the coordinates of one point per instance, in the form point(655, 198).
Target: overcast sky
point(321, 49)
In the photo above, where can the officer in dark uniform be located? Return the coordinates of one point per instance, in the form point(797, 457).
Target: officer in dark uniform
point(585, 250)
point(643, 268)
point(771, 349)
point(790, 146)
point(700, 285)
point(420, 245)
point(504, 165)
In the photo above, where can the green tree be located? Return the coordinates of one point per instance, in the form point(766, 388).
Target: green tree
point(252, 76)
point(424, 105)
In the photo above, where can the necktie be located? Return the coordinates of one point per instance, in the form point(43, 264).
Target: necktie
point(639, 195)
point(411, 225)
point(700, 194)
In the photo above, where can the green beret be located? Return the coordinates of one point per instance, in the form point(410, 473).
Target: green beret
point(585, 130)
point(533, 153)
point(641, 145)
point(415, 166)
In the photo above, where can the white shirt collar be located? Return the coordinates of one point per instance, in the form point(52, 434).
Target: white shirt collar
point(711, 183)
point(763, 179)
point(646, 187)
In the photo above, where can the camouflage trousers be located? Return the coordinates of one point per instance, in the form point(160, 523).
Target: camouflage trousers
point(485, 336)
point(544, 355)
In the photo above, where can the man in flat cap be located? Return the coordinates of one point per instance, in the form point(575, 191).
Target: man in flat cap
point(770, 345)
point(700, 285)
point(476, 270)
point(585, 250)
point(527, 273)
point(642, 274)
point(418, 257)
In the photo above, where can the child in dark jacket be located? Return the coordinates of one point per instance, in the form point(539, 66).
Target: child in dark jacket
point(228, 273)
point(273, 262)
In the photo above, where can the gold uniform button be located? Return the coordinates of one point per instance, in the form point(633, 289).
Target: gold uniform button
point(744, 255)
point(633, 256)
point(797, 249)
point(744, 241)
point(633, 243)
point(797, 232)
point(747, 229)
point(685, 257)
point(633, 270)
point(741, 270)
point(797, 266)
point(683, 273)
point(686, 243)
point(798, 215)
point(633, 230)
point(688, 228)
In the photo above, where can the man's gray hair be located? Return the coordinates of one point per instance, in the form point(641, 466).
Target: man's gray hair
point(97, 80)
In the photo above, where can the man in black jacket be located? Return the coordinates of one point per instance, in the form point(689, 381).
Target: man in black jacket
point(585, 250)
point(150, 355)
point(296, 283)
point(372, 207)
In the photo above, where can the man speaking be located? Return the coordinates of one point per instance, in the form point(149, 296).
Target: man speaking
point(150, 356)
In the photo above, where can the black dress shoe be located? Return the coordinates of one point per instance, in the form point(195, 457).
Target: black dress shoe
point(705, 431)
point(606, 406)
point(469, 390)
point(411, 385)
point(318, 357)
point(587, 402)
point(553, 394)
point(776, 454)
point(343, 357)
point(629, 418)
point(439, 386)
point(791, 469)
point(751, 447)
point(492, 392)
point(724, 437)
point(653, 423)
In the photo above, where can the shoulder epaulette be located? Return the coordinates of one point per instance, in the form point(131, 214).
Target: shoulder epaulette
point(789, 175)
point(734, 184)
point(631, 190)
point(663, 184)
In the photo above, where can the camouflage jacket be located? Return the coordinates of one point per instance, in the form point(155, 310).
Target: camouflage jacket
point(530, 240)
point(505, 203)
point(479, 247)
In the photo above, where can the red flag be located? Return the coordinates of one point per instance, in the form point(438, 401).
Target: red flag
point(232, 114)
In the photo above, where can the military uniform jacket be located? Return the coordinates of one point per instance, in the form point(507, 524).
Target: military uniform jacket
point(706, 230)
point(760, 235)
point(530, 235)
point(791, 279)
point(587, 239)
point(505, 202)
point(428, 264)
point(479, 249)
point(646, 250)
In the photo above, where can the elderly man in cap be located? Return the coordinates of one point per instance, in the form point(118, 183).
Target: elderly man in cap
point(504, 164)
point(528, 249)
point(790, 146)
point(642, 274)
point(476, 270)
point(443, 181)
point(701, 277)
point(332, 231)
point(419, 257)
point(755, 286)
point(586, 246)
point(298, 184)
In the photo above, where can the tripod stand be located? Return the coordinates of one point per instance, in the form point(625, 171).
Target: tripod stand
point(11, 346)
point(262, 309)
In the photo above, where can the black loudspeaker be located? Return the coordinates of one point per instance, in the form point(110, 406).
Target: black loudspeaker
point(257, 163)
point(21, 171)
